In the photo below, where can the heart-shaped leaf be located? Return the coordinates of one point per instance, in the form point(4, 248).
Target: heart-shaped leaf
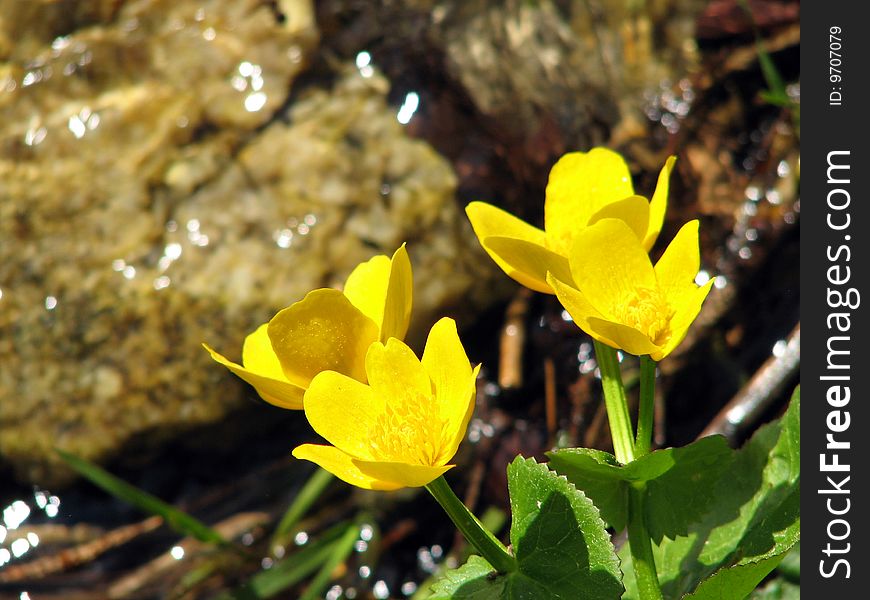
point(679, 482)
point(562, 548)
point(753, 521)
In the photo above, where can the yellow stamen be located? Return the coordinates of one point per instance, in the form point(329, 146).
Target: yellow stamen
point(410, 431)
point(648, 311)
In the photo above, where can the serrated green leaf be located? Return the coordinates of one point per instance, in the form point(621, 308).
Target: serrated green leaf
point(753, 521)
point(600, 476)
point(178, 520)
point(475, 580)
point(680, 482)
point(562, 548)
point(734, 582)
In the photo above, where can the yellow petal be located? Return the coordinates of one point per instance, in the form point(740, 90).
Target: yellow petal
point(580, 185)
point(578, 307)
point(455, 383)
point(456, 424)
point(343, 411)
point(634, 211)
point(258, 355)
point(341, 465)
point(448, 368)
point(382, 289)
point(624, 337)
point(659, 204)
point(686, 309)
point(274, 390)
point(324, 331)
point(489, 221)
point(400, 294)
point(396, 375)
point(677, 268)
point(528, 263)
point(366, 287)
point(401, 474)
point(608, 264)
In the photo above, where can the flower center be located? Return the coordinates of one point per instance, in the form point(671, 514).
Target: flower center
point(648, 312)
point(410, 431)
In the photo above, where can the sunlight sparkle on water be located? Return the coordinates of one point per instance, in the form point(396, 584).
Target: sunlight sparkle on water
point(408, 108)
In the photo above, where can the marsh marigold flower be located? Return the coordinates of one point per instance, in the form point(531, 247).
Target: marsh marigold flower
point(404, 426)
point(620, 299)
point(584, 188)
point(327, 330)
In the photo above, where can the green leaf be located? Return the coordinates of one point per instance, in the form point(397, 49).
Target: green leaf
point(734, 582)
point(684, 490)
point(753, 521)
point(680, 482)
point(179, 521)
point(600, 476)
point(562, 548)
point(475, 580)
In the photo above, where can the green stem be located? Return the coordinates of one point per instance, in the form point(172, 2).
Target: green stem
point(646, 410)
point(615, 402)
point(480, 537)
point(641, 548)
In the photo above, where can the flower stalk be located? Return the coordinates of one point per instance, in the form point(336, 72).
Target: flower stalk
point(641, 548)
point(479, 536)
point(646, 409)
point(615, 403)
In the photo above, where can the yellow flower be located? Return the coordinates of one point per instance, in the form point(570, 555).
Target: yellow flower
point(327, 330)
point(402, 428)
point(620, 299)
point(583, 189)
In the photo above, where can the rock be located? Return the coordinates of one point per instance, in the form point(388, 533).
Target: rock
point(574, 71)
point(506, 87)
point(157, 194)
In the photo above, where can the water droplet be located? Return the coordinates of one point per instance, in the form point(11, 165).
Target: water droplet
point(408, 108)
point(380, 590)
point(255, 101)
point(19, 547)
point(779, 348)
point(76, 126)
